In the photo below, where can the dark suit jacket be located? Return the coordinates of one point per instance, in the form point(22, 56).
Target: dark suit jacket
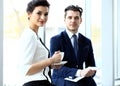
point(85, 54)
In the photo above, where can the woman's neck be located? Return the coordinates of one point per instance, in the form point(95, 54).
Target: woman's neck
point(35, 29)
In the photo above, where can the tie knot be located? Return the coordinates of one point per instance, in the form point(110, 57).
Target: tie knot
point(74, 36)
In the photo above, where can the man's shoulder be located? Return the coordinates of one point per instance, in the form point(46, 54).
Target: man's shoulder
point(58, 36)
point(84, 38)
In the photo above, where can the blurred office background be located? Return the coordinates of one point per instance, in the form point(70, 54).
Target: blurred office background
point(100, 24)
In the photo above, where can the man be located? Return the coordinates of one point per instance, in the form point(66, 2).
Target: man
point(83, 52)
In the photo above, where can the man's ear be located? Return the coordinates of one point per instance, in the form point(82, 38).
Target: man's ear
point(80, 20)
point(64, 19)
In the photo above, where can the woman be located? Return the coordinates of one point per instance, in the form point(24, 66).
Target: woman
point(34, 55)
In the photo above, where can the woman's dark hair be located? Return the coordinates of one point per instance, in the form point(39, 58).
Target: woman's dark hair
point(73, 8)
point(34, 3)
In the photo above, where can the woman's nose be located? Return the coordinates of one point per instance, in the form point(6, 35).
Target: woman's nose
point(43, 17)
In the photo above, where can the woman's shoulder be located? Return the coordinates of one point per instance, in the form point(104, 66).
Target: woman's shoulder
point(28, 35)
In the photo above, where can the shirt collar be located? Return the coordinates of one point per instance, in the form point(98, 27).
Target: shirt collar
point(71, 34)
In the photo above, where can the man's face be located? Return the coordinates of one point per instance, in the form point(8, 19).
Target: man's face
point(72, 20)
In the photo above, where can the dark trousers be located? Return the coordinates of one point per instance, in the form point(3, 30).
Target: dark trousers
point(38, 83)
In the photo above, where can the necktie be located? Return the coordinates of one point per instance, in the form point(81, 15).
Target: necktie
point(75, 45)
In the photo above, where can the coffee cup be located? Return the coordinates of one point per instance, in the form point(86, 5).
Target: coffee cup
point(62, 55)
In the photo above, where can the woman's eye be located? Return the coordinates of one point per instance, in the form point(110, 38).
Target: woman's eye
point(39, 13)
point(46, 14)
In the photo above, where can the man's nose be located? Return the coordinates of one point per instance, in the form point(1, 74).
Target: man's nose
point(73, 19)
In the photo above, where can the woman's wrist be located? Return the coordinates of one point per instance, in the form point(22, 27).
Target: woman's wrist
point(51, 60)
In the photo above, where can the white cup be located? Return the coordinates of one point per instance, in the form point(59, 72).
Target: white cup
point(62, 55)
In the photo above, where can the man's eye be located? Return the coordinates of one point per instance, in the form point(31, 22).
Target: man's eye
point(69, 17)
point(76, 18)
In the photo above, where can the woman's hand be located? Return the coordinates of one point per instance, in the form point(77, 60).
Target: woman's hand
point(56, 66)
point(56, 57)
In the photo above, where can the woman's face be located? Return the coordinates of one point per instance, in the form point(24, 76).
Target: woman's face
point(39, 16)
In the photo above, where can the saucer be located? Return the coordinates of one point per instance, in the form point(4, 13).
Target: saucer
point(60, 63)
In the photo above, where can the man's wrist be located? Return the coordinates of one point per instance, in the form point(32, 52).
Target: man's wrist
point(78, 73)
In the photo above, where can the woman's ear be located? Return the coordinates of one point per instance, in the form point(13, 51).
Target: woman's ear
point(29, 14)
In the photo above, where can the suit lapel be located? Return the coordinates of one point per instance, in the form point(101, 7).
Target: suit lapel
point(68, 46)
point(81, 46)
point(68, 41)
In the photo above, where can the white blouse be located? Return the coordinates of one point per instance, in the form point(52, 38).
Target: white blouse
point(31, 51)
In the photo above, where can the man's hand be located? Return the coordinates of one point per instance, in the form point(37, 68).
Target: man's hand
point(87, 72)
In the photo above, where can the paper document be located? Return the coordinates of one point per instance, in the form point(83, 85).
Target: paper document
point(93, 68)
point(74, 80)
